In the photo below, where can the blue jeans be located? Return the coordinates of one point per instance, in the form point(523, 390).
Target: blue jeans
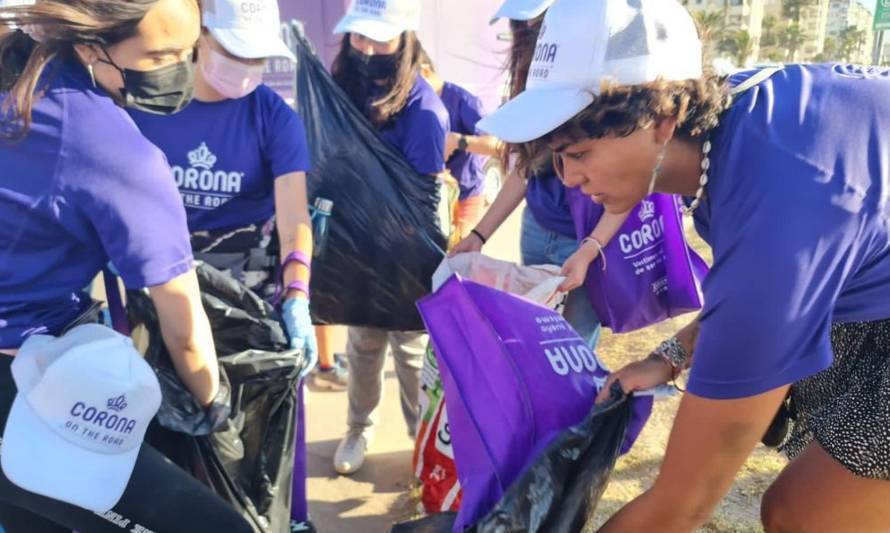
point(543, 247)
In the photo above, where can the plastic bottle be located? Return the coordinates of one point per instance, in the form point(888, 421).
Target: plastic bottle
point(320, 214)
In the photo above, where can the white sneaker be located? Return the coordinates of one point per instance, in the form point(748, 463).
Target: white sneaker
point(350, 455)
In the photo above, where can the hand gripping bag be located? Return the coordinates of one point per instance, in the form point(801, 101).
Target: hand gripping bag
point(242, 447)
point(515, 375)
point(651, 273)
point(434, 465)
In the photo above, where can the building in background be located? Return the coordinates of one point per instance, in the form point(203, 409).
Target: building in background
point(813, 23)
point(850, 29)
point(733, 28)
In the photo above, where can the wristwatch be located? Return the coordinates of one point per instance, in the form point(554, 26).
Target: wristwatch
point(462, 143)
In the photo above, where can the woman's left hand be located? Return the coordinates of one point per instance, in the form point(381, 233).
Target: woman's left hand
point(298, 322)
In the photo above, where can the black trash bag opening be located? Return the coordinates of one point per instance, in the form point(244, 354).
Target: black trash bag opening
point(241, 322)
point(243, 446)
point(559, 492)
point(384, 241)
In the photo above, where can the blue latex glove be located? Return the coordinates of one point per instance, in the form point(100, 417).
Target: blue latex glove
point(298, 323)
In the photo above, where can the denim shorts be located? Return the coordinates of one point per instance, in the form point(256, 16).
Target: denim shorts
point(540, 246)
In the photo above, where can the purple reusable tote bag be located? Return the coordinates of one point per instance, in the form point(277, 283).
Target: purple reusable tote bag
point(652, 274)
point(515, 375)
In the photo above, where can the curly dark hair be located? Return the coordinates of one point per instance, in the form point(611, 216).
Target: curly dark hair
point(620, 110)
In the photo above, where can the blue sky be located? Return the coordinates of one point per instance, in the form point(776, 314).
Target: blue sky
point(870, 4)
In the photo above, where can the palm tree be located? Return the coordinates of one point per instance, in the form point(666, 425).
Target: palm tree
point(851, 41)
point(711, 26)
point(792, 39)
point(829, 51)
point(769, 33)
point(740, 45)
point(793, 8)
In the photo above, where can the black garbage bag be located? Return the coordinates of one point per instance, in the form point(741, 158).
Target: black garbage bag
point(242, 447)
point(434, 523)
point(383, 242)
point(559, 492)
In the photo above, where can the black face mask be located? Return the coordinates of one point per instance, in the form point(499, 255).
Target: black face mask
point(375, 67)
point(164, 91)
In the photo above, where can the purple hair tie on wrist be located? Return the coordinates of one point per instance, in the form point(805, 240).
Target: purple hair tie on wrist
point(297, 257)
point(293, 257)
point(298, 285)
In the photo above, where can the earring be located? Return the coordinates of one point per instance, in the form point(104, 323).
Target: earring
point(657, 170)
point(92, 74)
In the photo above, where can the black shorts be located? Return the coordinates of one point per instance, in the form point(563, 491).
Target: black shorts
point(160, 497)
point(846, 408)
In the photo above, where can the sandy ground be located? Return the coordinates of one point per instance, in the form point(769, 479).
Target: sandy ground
point(380, 493)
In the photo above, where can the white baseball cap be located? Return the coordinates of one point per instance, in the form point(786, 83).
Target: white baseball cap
point(79, 418)
point(584, 42)
point(249, 29)
point(380, 20)
point(521, 9)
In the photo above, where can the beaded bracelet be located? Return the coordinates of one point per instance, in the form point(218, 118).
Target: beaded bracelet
point(675, 354)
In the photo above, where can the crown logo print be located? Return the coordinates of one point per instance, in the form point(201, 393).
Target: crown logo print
point(202, 157)
point(647, 210)
point(117, 404)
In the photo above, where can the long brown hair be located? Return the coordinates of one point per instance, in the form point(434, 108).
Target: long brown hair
point(60, 24)
point(522, 51)
point(395, 90)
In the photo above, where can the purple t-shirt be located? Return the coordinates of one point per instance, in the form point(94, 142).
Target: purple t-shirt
point(83, 188)
point(464, 111)
point(546, 198)
point(418, 131)
point(798, 217)
point(226, 155)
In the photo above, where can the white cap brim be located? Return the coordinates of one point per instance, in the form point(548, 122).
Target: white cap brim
point(535, 113)
point(248, 45)
point(518, 11)
point(38, 460)
point(375, 30)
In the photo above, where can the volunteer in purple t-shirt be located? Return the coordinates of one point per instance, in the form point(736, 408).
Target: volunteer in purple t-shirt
point(548, 232)
point(466, 149)
point(79, 187)
point(239, 158)
point(377, 67)
point(787, 175)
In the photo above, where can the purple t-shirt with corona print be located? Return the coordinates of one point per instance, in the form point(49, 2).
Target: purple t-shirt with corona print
point(418, 131)
point(464, 111)
point(83, 187)
point(798, 216)
point(226, 155)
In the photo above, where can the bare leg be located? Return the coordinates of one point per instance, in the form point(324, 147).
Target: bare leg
point(815, 493)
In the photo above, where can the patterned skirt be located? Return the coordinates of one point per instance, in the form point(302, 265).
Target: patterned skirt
point(846, 408)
